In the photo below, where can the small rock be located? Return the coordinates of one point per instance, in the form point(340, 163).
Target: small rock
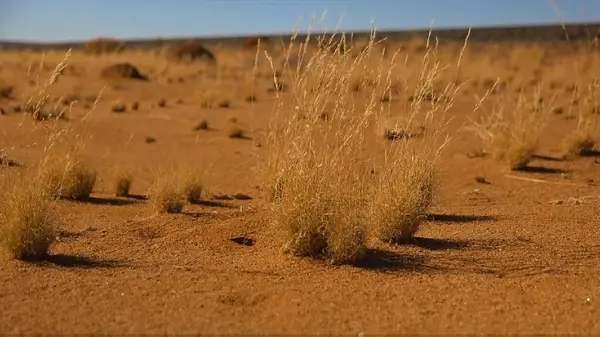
point(556, 202)
point(241, 196)
point(477, 154)
point(482, 180)
point(242, 240)
point(221, 197)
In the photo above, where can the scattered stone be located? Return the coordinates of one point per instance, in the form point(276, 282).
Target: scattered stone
point(477, 154)
point(221, 197)
point(242, 240)
point(118, 106)
point(482, 180)
point(241, 196)
point(572, 201)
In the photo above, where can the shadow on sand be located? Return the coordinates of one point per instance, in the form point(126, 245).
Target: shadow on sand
point(458, 218)
point(76, 262)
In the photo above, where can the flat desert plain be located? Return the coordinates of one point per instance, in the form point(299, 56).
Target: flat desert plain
point(500, 249)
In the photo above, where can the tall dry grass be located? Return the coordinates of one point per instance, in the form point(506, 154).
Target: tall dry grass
point(28, 218)
point(513, 128)
point(405, 176)
point(28, 212)
point(582, 140)
point(332, 181)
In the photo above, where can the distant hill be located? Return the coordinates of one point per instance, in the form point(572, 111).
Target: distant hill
point(540, 33)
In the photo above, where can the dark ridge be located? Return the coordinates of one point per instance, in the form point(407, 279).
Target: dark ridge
point(540, 33)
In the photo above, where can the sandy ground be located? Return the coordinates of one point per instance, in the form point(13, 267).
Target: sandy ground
point(514, 255)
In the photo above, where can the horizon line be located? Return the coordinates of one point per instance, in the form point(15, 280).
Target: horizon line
point(304, 32)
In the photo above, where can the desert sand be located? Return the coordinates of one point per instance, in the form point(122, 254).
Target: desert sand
point(499, 251)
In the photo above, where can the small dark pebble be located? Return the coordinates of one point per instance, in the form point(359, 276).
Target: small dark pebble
point(242, 240)
point(482, 180)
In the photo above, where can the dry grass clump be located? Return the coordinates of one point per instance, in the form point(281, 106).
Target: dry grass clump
point(122, 70)
point(214, 99)
point(192, 185)
point(579, 143)
point(188, 52)
point(316, 171)
point(328, 189)
point(202, 125)
point(118, 106)
point(403, 192)
point(67, 174)
point(166, 195)
point(311, 185)
point(513, 129)
point(122, 182)
point(28, 219)
point(405, 173)
point(234, 131)
point(101, 46)
point(36, 104)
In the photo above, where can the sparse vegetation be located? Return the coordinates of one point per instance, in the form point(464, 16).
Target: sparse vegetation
point(235, 131)
point(67, 174)
point(319, 176)
point(512, 130)
point(166, 195)
point(349, 155)
point(202, 125)
point(28, 219)
point(192, 186)
point(579, 143)
point(122, 182)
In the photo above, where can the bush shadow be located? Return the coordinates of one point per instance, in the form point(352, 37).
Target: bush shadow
point(458, 218)
point(136, 196)
point(592, 153)
point(212, 203)
point(548, 158)
point(108, 201)
point(541, 169)
point(76, 262)
point(437, 244)
point(386, 261)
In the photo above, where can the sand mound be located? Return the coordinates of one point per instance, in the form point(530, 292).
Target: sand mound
point(103, 46)
point(123, 70)
point(188, 52)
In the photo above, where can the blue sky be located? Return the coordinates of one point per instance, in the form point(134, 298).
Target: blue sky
point(59, 20)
